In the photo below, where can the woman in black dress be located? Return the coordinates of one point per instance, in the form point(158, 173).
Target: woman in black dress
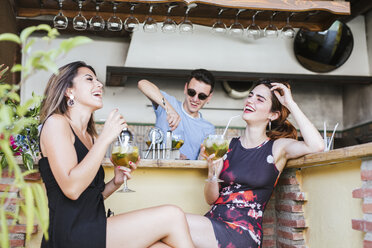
point(74, 178)
point(251, 168)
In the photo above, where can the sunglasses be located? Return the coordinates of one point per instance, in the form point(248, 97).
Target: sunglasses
point(192, 93)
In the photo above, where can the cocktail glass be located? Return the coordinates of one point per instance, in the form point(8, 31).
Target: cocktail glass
point(217, 145)
point(177, 141)
point(121, 154)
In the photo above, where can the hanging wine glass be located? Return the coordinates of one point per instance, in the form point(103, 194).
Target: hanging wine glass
point(150, 25)
point(271, 31)
point(97, 23)
point(186, 26)
point(288, 31)
point(131, 24)
point(60, 21)
point(237, 29)
point(219, 27)
point(80, 22)
point(253, 30)
point(169, 26)
point(114, 23)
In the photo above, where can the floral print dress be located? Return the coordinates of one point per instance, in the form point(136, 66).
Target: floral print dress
point(250, 176)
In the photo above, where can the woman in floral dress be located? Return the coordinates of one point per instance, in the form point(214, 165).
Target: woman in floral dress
point(251, 168)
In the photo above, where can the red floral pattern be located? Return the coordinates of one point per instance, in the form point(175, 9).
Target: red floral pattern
point(237, 214)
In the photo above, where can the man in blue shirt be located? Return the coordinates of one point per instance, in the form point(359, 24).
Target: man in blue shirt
point(183, 118)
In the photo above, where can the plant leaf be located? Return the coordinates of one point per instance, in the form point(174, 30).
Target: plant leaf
point(26, 33)
point(10, 37)
point(68, 44)
point(28, 162)
point(4, 229)
point(42, 208)
point(29, 210)
point(16, 68)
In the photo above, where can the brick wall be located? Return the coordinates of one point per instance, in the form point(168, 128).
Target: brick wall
point(290, 220)
point(365, 193)
point(17, 232)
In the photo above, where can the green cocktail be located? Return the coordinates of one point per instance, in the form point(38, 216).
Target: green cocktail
point(217, 145)
point(121, 155)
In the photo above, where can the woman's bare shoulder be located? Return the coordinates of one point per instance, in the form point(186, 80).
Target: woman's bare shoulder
point(55, 122)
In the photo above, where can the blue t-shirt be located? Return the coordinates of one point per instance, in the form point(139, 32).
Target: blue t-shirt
point(192, 130)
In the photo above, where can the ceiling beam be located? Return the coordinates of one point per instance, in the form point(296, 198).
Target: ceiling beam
point(358, 7)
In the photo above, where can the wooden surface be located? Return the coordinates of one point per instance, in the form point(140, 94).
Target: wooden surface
point(316, 159)
point(206, 11)
point(351, 153)
point(160, 163)
point(334, 156)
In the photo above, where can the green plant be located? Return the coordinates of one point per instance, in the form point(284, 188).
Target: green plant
point(21, 119)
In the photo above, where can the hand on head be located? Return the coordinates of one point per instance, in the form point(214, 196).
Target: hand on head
point(283, 93)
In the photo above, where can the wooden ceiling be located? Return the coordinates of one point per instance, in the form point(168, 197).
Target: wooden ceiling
point(313, 15)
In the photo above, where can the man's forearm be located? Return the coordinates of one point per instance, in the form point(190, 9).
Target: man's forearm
point(151, 91)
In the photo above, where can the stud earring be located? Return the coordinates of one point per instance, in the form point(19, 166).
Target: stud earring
point(71, 102)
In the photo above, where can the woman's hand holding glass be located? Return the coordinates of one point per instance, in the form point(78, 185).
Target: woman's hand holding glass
point(124, 154)
point(120, 172)
point(215, 165)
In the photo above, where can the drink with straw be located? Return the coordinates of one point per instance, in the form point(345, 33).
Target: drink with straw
point(122, 152)
point(121, 155)
point(217, 145)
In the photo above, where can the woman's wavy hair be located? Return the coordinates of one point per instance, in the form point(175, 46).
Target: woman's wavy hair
point(55, 101)
point(281, 127)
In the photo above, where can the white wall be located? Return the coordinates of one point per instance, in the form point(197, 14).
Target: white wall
point(357, 100)
point(99, 54)
point(214, 52)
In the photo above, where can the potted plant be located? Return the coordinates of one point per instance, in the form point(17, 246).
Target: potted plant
point(18, 130)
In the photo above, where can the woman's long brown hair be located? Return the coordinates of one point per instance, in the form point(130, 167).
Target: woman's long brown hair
point(55, 101)
point(281, 127)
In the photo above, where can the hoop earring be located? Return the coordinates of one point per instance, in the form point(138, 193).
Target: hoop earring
point(71, 102)
point(269, 125)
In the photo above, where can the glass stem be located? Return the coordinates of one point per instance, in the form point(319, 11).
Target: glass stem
point(125, 182)
point(214, 173)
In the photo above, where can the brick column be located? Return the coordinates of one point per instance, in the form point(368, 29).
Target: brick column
point(289, 211)
point(17, 232)
point(269, 225)
point(365, 193)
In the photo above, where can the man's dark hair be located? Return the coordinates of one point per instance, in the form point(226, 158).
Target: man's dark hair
point(204, 76)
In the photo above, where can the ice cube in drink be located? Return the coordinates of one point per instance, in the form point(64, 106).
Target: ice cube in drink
point(121, 155)
point(217, 145)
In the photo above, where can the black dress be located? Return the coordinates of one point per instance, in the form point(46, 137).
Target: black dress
point(75, 223)
point(250, 176)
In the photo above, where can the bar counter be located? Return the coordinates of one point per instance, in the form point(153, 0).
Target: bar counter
point(319, 197)
point(345, 154)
